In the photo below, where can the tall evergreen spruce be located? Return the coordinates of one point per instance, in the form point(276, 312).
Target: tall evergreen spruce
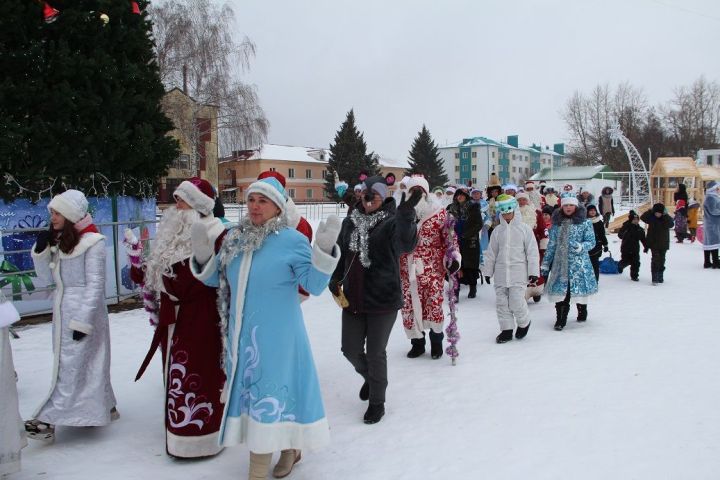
point(425, 159)
point(80, 97)
point(348, 157)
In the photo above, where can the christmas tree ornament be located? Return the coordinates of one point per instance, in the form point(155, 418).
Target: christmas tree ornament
point(104, 18)
point(135, 7)
point(50, 14)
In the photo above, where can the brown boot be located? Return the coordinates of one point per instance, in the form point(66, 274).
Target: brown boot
point(288, 459)
point(259, 465)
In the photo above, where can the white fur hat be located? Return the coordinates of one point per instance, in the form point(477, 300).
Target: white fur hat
point(198, 193)
point(71, 204)
point(522, 195)
point(418, 181)
point(568, 199)
point(272, 189)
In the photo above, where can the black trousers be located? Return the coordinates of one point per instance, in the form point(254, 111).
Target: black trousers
point(633, 261)
point(364, 343)
point(595, 261)
point(657, 263)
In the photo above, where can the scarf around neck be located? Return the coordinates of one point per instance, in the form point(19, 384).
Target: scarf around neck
point(360, 237)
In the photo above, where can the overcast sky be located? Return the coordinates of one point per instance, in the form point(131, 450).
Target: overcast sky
point(464, 68)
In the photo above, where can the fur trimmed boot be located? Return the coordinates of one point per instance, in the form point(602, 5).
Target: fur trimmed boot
point(259, 465)
point(286, 462)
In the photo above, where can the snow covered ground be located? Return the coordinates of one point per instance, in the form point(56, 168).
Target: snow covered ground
point(631, 394)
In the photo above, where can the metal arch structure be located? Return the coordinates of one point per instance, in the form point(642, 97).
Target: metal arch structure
point(639, 176)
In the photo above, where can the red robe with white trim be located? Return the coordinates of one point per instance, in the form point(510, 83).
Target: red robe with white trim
point(422, 274)
point(188, 334)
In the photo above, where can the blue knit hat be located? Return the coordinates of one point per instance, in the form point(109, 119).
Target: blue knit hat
point(272, 189)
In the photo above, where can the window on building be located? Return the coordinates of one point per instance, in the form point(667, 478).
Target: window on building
point(324, 174)
point(308, 173)
point(474, 154)
point(513, 157)
point(709, 159)
point(182, 161)
point(457, 168)
point(492, 154)
point(291, 173)
point(514, 169)
point(273, 169)
point(457, 155)
point(474, 168)
point(309, 193)
point(493, 167)
point(474, 180)
point(527, 170)
point(291, 192)
point(457, 180)
point(465, 155)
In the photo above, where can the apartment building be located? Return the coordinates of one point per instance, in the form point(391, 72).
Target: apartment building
point(196, 130)
point(473, 160)
point(304, 169)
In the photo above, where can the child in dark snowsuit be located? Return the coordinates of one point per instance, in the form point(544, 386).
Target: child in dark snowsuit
point(658, 239)
point(601, 242)
point(632, 236)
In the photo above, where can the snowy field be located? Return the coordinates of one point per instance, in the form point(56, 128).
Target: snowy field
point(631, 394)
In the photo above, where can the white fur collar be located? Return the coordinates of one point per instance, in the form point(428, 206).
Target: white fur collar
point(434, 211)
point(86, 241)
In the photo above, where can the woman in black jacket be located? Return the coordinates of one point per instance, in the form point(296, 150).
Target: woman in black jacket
point(601, 242)
point(367, 282)
point(468, 223)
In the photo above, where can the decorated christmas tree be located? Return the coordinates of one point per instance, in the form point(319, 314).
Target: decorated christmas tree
point(80, 99)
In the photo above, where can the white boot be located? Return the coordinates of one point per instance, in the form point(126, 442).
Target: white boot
point(259, 465)
point(288, 459)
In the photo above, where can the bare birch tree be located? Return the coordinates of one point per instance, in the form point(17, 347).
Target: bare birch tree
point(692, 117)
point(197, 53)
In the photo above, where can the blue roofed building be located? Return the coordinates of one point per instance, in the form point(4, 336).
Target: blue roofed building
point(472, 160)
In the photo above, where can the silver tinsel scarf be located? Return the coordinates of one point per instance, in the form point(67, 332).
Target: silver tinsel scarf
point(359, 239)
point(244, 238)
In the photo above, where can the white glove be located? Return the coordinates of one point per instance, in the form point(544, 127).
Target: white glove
point(133, 247)
point(201, 248)
point(327, 234)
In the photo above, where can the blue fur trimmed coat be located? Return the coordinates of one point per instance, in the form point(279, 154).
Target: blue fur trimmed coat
point(580, 274)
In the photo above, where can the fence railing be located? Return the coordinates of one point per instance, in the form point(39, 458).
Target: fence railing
point(10, 280)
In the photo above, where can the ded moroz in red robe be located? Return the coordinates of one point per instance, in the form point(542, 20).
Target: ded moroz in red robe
point(188, 334)
point(422, 274)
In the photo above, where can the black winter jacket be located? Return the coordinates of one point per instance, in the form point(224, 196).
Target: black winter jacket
point(600, 237)
point(468, 223)
point(658, 232)
point(632, 236)
point(375, 289)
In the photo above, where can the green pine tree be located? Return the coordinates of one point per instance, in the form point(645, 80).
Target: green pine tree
point(425, 159)
point(349, 157)
point(80, 100)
